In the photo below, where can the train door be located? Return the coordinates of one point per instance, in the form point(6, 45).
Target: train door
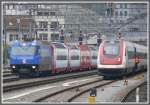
point(89, 60)
point(129, 61)
point(83, 59)
point(135, 59)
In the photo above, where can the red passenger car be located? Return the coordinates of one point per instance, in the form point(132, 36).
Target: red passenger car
point(85, 61)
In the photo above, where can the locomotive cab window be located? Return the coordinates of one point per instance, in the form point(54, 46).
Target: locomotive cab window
point(111, 49)
point(23, 50)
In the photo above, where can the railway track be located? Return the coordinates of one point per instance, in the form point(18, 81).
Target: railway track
point(41, 81)
point(73, 92)
point(10, 78)
point(126, 96)
point(6, 71)
point(7, 74)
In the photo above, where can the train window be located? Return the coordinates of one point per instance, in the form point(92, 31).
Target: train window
point(111, 49)
point(94, 57)
point(131, 54)
point(142, 55)
point(75, 57)
point(61, 57)
point(87, 57)
point(59, 45)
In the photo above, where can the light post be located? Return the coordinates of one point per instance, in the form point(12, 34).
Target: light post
point(4, 37)
point(18, 21)
point(30, 31)
point(86, 37)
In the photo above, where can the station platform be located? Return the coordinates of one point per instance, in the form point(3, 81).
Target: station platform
point(116, 91)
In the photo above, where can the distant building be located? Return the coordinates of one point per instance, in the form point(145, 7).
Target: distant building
point(31, 21)
point(45, 21)
point(129, 18)
point(48, 22)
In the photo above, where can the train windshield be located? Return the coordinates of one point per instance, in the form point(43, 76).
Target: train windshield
point(23, 50)
point(111, 49)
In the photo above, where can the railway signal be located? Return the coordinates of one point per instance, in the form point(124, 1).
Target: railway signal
point(99, 40)
point(93, 92)
point(80, 38)
point(62, 37)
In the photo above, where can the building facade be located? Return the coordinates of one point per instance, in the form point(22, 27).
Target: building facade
point(31, 21)
point(128, 18)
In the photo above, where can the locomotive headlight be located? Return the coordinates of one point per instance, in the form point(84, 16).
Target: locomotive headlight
point(33, 67)
point(13, 67)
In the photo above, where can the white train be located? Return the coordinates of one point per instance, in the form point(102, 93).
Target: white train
point(119, 57)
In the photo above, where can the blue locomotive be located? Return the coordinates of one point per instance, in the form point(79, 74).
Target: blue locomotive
point(36, 58)
point(29, 57)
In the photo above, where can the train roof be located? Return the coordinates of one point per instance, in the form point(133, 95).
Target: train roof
point(128, 43)
point(25, 43)
point(139, 47)
point(117, 40)
point(72, 46)
point(59, 45)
